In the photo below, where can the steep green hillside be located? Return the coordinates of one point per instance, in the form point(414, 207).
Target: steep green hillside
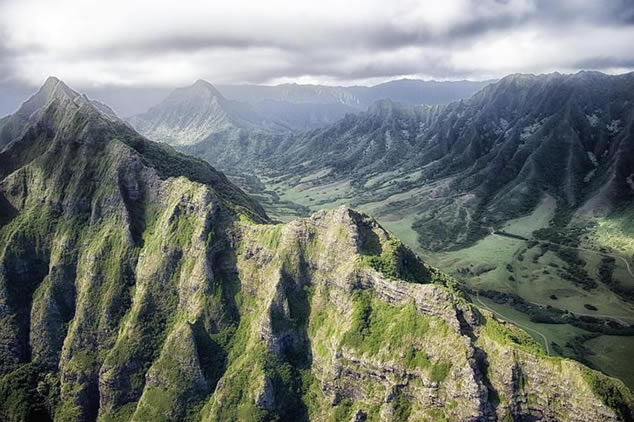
point(139, 284)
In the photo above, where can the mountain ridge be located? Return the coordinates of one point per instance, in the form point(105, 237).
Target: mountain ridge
point(53, 89)
point(414, 91)
point(255, 110)
point(138, 284)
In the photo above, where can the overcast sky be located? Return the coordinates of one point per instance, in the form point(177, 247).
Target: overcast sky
point(170, 43)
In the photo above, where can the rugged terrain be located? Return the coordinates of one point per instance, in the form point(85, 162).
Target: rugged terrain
point(139, 284)
point(501, 151)
point(523, 189)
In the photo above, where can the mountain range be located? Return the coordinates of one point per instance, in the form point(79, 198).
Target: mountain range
point(190, 114)
point(193, 114)
point(523, 192)
point(299, 106)
point(138, 283)
point(411, 91)
point(502, 150)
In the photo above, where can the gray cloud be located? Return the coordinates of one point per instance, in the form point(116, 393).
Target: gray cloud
point(606, 62)
point(613, 12)
point(144, 44)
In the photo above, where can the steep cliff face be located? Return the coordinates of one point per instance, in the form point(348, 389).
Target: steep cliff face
point(139, 284)
point(332, 311)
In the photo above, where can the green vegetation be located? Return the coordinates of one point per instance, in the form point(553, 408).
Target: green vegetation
point(270, 237)
point(559, 230)
point(508, 334)
point(552, 315)
point(609, 353)
point(439, 371)
point(577, 346)
point(290, 384)
point(386, 263)
point(543, 277)
point(28, 394)
point(613, 393)
point(616, 231)
point(387, 331)
point(343, 410)
point(401, 407)
point(398, 262)
point(606, 275)
point(377, 326)
point(127, 296)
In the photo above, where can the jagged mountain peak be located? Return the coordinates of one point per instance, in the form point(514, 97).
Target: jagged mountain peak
point(52, 89)
point(200, 89)
point(54, 85)
point(57, 118)
point(191, 114)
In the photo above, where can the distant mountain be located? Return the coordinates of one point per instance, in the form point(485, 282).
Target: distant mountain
point(320, 105)
point(291, 93)
point(201, 113)
point(412, 91)
point(280, 108)
point(139, 284)
point(199, 117)
point(302, 116)
point(189, 115)
point(305, 107)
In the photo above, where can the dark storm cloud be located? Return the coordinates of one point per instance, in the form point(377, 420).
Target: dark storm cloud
point(393, 36)
point(336, 66)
